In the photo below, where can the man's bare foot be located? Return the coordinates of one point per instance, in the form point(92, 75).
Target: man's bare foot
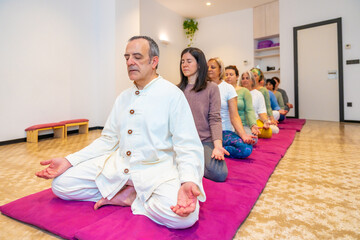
point(124, 197)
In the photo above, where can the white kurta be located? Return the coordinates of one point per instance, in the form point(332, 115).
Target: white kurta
point(149, 136)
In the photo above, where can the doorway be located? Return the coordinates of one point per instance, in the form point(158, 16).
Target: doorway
point(318, 71)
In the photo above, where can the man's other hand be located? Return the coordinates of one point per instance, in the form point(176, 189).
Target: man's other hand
point(56, 167)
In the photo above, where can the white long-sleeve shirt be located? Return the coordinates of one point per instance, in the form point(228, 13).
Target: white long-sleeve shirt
point(150, 135)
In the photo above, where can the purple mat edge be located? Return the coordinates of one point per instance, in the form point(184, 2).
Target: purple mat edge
point(5, 211)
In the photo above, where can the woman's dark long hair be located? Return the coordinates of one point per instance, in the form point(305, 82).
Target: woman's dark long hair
point(201, 80)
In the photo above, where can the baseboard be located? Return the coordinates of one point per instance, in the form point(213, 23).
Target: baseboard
point(95, 128)
point(351, 121)
point(12, 141)
point(51, 135)
point(347, 121)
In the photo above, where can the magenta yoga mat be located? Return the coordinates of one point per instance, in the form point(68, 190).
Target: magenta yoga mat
point(227, 205)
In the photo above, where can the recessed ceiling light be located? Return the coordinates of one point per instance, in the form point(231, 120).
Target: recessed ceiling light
point(208, 3)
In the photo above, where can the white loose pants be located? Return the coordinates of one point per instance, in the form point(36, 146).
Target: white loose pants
point(78, 183)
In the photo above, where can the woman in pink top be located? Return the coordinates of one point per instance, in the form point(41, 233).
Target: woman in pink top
point(204, 100)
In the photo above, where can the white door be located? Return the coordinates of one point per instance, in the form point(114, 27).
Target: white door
point(318, 75)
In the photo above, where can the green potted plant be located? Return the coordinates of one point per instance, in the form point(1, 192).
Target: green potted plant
point(190, 26)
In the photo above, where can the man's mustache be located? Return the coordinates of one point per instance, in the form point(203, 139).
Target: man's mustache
point(132, 68)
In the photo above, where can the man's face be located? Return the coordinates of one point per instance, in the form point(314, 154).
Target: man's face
point(139, 65)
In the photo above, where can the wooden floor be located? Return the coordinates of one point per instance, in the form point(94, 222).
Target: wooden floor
point(314, 192)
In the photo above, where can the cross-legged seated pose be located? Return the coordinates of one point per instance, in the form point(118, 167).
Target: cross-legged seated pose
point(277, 105)
point(204, 100)
point(238, 144)
point(284, 95)
point(259, 85)
point(258, 101)
point(149, 155)
point(244, 102)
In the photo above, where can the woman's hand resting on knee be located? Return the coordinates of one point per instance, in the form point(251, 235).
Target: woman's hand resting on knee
point(218, 151)
point(56, 167)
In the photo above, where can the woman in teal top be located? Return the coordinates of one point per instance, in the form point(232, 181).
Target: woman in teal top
point(244, 101)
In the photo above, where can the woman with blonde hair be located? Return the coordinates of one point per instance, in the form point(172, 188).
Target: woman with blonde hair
point(237, 144)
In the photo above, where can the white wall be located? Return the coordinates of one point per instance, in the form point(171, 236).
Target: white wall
point(127, 24)
point(116, 22)
point(64, 59)
point(295, 13)
point(228, 36)
point(59, 60)
point(156, 20)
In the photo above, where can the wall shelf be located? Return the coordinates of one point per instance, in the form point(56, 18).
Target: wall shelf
point(270, 72)
point(267, 56)
point(267, 49)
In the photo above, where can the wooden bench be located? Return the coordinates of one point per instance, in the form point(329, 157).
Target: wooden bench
point(82, 123)
point(59, 128)
point(32, 132)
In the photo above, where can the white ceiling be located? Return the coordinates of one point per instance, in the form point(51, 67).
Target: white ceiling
point(198, 9)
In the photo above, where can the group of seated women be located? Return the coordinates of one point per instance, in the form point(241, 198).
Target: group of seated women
point(229, 117)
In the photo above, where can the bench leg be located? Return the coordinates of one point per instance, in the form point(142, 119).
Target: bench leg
point(32, 136)
point(59, 132)
point(65, 131)
point(84, 128)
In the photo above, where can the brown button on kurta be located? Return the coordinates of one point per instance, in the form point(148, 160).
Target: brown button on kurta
point(129, 131)
point(126, 170)
point(128, 153)
point(137, 92)
point(132, 111)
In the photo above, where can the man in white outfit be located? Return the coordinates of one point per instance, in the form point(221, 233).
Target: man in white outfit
point(149, 155)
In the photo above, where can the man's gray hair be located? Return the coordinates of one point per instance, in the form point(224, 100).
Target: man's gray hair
point(154, 48)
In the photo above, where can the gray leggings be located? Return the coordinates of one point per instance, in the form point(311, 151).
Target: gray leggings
point(215, 170)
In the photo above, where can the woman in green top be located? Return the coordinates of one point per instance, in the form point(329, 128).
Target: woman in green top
point(244, 101)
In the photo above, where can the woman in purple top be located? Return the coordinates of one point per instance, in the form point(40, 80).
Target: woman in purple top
point(204, 100)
